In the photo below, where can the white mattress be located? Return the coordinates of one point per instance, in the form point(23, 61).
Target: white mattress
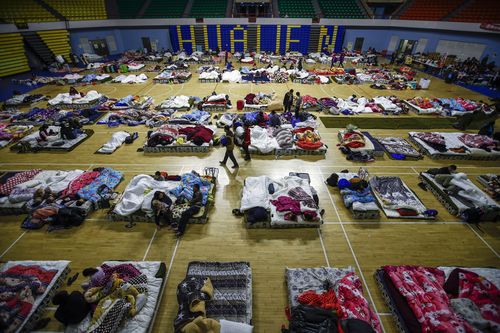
point(458, 203)
point(452, 141)
point(59, 265)
point(369, 147)
point(423, 111)
point(393, 213)
point(141, 322)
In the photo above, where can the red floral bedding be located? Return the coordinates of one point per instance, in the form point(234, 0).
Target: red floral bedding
point(422, 288)
point(428, 294)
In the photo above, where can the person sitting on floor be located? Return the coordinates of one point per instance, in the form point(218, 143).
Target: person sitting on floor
point(161, 204)
point(194, 207)
point(46, 135)
point(274, 119)
point(228, 102)
point(67, 131)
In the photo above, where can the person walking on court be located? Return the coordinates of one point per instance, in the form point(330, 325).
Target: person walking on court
point(299, 66)
point(334, 60)
point(229, 148)
point(298, 105)
point(341, 60)
point(288, 101)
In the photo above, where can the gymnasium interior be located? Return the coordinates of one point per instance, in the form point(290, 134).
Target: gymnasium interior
point(236, 166)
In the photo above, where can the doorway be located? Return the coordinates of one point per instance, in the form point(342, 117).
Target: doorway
point(100, 47)
point(146, 43)
point(406, 46)
point(358, 44)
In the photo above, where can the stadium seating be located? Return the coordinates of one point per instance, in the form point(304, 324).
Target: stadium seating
point(341, 9)
point(57, 41)
point(296, 8)
point(128, 9)
point(80, 10)
point(168, 9)
point(429, 10)
point(12, 56)
point(24, 11)
point(211, 8)
point(484, 11)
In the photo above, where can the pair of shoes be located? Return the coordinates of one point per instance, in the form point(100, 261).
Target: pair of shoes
point(235, 166)
point(248, 158)
point(73, 279)
point(178, 234)
point(222, 163)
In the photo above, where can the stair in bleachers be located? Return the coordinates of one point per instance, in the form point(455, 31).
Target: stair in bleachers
point(57, 41)
point(165, 9)
point(252, 37)
point(457, 10)
point(317, 8)
point(12, 55)
point(314, 39)
point(342, 9)
point(80, 10)
point(24, 11)
point(199, 36)
point(401, 9)
point(212, 8)
point(112, 9)
point(296, 8)
point(51, 10)
point(36, 43)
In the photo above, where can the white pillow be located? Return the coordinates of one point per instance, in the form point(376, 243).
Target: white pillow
point(227, 326)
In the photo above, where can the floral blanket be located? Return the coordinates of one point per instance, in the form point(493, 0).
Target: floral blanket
point(108, 177)
point(422, 288)
point(19, 287)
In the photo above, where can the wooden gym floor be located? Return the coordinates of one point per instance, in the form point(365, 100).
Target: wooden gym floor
point(340, 242)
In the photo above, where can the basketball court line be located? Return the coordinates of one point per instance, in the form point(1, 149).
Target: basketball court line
point(149, 245)
point(13, 243)
point(323, 247)
point(353, 254)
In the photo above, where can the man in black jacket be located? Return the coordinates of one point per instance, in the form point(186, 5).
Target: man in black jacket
point(288, 101)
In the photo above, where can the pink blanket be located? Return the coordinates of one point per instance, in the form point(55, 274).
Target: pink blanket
point(422, 288)
point(352, 303)
point(483, 293)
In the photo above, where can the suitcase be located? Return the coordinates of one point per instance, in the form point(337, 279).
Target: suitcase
point(240, 104)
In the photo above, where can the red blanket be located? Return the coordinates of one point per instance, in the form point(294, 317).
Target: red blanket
point(423, 291)
point(483, 293)
point(197, 134)
point(19, 287)
point(352, 303)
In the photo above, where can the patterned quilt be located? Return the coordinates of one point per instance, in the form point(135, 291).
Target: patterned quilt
point(232, 284)
point(19, 287)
